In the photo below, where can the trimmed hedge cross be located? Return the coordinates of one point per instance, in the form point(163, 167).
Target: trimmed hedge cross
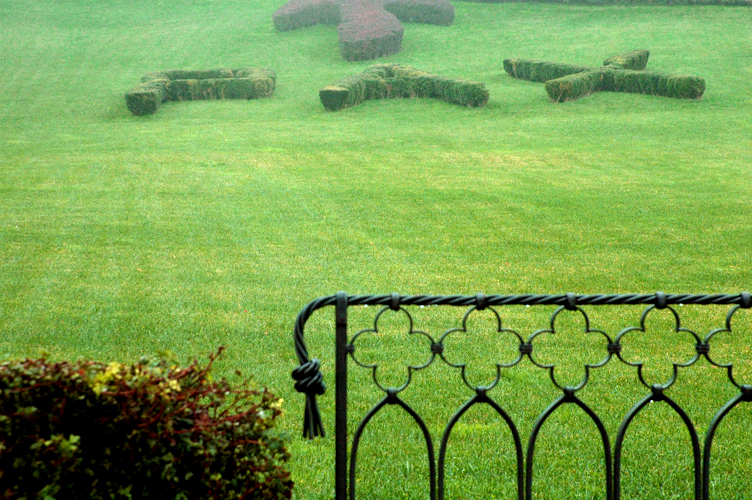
point(621, 73)
point(383, 81)
point(367, 29)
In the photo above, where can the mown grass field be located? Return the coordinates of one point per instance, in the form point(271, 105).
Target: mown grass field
point(214, 223)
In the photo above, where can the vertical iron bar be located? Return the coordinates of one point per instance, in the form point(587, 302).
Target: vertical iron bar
point(709, 443)
point(340, 431)
point(606, 445)
point(531, 444)
point(356, 442)
point(695, 444)
point(620, 440)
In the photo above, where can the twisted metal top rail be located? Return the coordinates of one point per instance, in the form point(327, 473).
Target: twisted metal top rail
point(309, 378)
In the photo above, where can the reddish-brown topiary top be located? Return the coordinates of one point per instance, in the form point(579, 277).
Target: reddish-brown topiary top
point(367, 28)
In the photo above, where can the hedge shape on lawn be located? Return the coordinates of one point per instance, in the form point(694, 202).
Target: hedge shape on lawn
point(180, 85)
point(384, 81)
point(367, 29)
point(620, 73)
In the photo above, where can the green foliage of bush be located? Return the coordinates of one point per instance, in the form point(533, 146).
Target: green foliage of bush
point(540, 71)
point(256, 74)
point(145, 99)
point(574, 86)
point(201, 74)
point(182, 85)
point(649, 82)
point(383, 81)
point(636, 60)
point(335, 98)
point(149, 430)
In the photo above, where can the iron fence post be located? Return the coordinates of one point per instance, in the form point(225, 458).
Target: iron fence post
point(340, 432)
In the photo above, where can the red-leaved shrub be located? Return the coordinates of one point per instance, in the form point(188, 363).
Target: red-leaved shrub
point(151, 430)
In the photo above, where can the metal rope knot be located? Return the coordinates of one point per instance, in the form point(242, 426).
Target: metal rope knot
point(309, 378)
point(746, 301)
point(660, 300)
point(480, 301)
point(394, 302)
point(571, 302)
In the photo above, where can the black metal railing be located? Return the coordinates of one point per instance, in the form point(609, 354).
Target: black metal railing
point(309, 379)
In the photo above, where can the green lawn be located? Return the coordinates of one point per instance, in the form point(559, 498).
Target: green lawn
point(213, 223)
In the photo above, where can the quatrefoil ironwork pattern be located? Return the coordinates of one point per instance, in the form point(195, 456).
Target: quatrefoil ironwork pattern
point(351, 347)
point(676, 365)
point(310, 380)
point(588, 366)
point(463, 366)
point(705, 349)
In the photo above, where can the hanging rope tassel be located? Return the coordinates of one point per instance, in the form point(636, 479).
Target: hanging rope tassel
point(310, 381)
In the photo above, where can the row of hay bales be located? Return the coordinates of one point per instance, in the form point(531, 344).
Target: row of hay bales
point(621, 73)
point(181, 85)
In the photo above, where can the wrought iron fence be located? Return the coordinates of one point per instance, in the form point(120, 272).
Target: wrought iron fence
point(309, 379)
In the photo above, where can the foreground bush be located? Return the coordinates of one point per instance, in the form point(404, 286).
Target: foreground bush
point(384, 81)
point(181, 85)
point(150, 430)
